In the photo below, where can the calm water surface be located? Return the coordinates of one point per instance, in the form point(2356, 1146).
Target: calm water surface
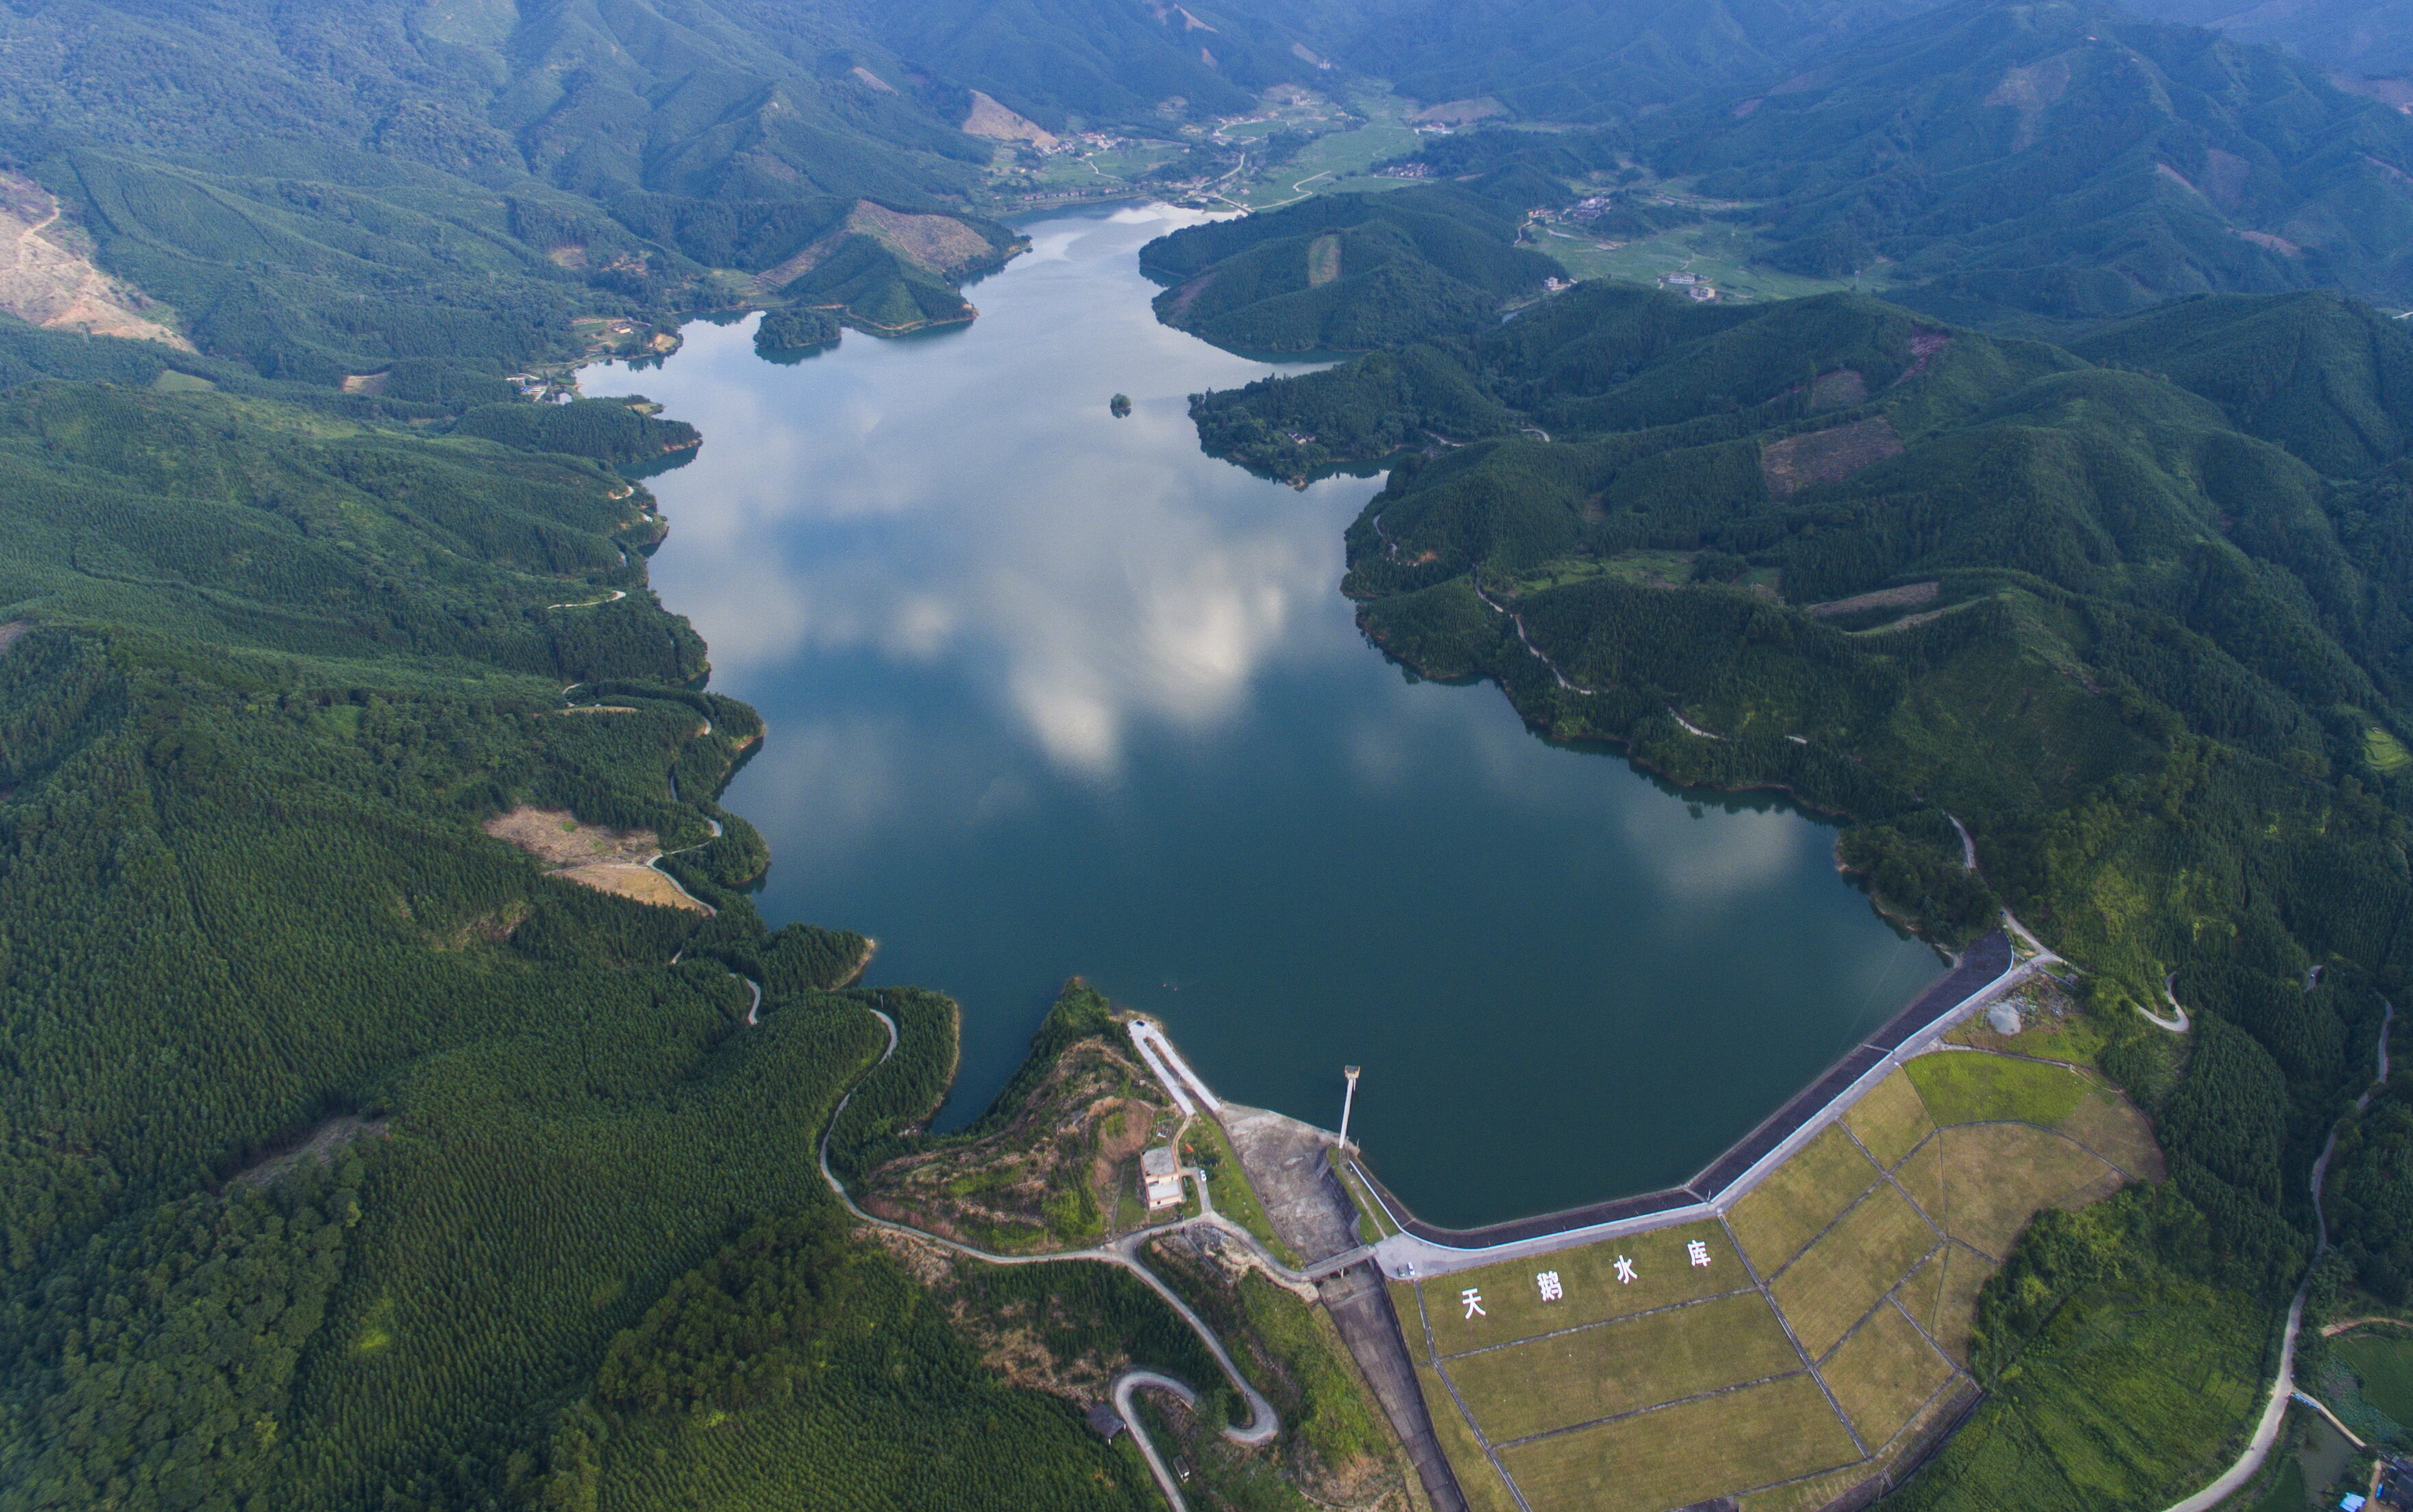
point(1051, 693)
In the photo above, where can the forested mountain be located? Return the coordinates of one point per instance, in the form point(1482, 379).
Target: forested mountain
point(322, 193)
point(1072, 63)
point(1592, 60)
point(2060, 159)
point(2329, 379)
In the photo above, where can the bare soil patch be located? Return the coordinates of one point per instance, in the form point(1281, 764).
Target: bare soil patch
point(593, 855)
point(643, 885)
point(2270, 242)
point(559, 838)
point(1323, 261)
point(13, 632)
point(47, 276)
point(936, 243)
point(994, 121)
point(1900, 598)
point(1826, 456)
point(321, 1146)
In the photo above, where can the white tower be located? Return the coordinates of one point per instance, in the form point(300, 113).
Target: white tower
point(1347, 1098)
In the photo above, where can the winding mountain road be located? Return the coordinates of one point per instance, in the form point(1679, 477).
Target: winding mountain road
point(1263, 1424)
point(2283, 1386)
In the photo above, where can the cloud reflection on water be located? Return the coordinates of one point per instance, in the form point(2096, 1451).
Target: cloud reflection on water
point(1110, 574)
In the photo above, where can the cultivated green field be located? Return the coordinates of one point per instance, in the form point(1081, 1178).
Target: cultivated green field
point(1713, 250)
point(2383, 1362)
point(1340, 159)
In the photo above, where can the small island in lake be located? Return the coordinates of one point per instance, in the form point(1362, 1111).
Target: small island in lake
point(795, 328)
point(1119, 404)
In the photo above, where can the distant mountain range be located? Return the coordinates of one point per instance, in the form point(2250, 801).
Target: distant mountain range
point(2361, 40)
point(2062, 159)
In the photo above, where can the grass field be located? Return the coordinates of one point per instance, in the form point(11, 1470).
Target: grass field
point(2384, 1364)
point(1922, 1177)
point(1890, 1120)
point(1981, 1089)
point(1882, 1374)
point(1837, 1279)
point(1943, 1296)
point(1611, 1368)
point(1909, 1444)
point(1485, 1490)
point(1786, 1211)
point(2134, 1394)
point(1684, 1454)
point(2104, 1123)
point(1995, 1177)
point(1372, 1226)
point(1511, 1298)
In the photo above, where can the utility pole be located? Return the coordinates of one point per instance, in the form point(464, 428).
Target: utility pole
point(1346, 1099)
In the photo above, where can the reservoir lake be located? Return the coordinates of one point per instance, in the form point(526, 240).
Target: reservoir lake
point(1051, 692)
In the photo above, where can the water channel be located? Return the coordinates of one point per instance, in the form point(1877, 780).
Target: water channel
point(1053, 692)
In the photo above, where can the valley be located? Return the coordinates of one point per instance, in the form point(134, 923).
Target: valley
point(1571, 559)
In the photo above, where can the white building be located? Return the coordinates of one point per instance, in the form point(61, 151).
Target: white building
point(1162, 1176)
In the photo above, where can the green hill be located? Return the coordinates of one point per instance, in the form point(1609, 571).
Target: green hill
point(2060, 161)
point(319, 199)
point(1347, 271)
point(2328, 378)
